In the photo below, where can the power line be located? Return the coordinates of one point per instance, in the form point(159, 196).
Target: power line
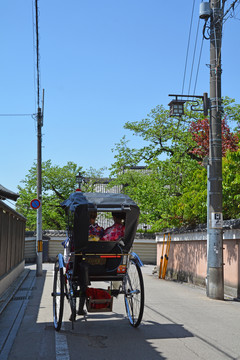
point(17, 115)
point(194, 52)
point(37, 51)
point(189, 36)
point(199, 60)
point(231, 7)
point(34, 58)
point(194, 55)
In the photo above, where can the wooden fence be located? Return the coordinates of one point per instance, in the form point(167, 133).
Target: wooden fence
point(12, 235)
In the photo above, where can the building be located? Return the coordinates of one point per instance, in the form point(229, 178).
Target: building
point(7, 194)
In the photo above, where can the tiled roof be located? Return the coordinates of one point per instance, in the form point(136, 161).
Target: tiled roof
point(48, 233)
point(7, 194)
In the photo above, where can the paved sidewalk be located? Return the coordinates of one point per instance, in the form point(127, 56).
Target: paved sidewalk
point(179, 322)
point(7, 296)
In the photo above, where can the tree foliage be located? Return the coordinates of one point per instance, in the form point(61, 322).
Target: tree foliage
point(231, 185)
point(57, 184)
point(172, 190)
point(200, 133)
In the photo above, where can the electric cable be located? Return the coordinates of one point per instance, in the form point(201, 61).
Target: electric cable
point(232, 6)
point(189, 37)
point(204, 30)
point(34, 49)
point(199, 60)
point(37, 52)
point(231, 15)
point(235, 14)
point(194, 53)
point(16, 114)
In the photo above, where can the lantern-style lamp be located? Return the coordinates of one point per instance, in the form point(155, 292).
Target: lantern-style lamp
point(79, 180)
point(176, 107)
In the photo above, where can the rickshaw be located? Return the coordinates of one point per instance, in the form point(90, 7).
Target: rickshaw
point(108, 262)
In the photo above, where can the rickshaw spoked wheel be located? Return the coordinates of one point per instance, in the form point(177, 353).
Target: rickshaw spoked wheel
point(134, 293)
point(58, 296)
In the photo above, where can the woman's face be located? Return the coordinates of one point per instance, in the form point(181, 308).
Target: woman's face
point(93, 217)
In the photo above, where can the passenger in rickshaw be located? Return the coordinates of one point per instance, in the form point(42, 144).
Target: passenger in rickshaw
point(95, 231)
point(117, 230)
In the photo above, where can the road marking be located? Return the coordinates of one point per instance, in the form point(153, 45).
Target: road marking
point(61, 346)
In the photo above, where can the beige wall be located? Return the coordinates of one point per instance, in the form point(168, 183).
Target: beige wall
point(54, 247)
point(146, 249)
point(188, 259)
point(186, 256)
point(231, 260)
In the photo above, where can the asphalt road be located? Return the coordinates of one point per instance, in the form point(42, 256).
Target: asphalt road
point(179, 322)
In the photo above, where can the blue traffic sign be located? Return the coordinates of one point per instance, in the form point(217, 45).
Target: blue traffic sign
point(35, 204)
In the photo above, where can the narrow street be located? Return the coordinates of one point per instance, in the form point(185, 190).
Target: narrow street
point(179, 322)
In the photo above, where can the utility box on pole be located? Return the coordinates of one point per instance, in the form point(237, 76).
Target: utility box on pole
point(215, 282)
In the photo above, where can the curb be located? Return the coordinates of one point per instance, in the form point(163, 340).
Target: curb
point(11, 291)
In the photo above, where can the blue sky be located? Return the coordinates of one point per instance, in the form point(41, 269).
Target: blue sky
point(102, 63)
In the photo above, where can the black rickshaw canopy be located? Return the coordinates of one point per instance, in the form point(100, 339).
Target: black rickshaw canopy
point(80, 204)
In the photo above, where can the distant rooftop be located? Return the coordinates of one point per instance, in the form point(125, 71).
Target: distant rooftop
point(7, 194)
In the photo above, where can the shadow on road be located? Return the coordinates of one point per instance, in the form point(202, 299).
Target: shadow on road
point(101, 336)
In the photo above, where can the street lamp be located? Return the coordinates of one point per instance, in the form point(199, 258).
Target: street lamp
point(177, 106)
point(79, 180)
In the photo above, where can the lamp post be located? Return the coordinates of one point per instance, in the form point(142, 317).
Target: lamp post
point(79, 180)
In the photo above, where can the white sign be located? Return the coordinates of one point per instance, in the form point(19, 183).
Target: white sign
point(217, 220)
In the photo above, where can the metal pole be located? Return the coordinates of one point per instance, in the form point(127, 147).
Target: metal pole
point(39, 159)
point(39, 192)
point(215, 284)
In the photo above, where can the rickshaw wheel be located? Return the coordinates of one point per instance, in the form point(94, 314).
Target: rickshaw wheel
point(134, 293)
point(58, 296)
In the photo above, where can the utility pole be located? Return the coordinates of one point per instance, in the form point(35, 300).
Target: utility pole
point(39, 245)
point(39, 192)
point(215, 283)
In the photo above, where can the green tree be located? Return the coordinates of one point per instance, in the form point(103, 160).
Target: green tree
point(163, 135)
point(231, 185)
point(193, 204)
point(57, 184)
point(172, 191)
